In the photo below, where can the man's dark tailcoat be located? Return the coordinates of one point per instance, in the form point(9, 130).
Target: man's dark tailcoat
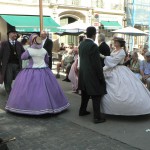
point(5, 52)
point(48, 45)
point(105, 50)
point(91, 78)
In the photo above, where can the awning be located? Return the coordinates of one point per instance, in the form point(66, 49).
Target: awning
point(31, 23)
point(111, 25)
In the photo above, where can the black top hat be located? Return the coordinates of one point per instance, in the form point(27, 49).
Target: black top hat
point(10, 31)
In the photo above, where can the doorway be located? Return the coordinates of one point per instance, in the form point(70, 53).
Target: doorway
point(68, 39)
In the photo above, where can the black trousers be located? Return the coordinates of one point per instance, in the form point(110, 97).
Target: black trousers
point(11, 72)
point(50, 62)
point(96, 103)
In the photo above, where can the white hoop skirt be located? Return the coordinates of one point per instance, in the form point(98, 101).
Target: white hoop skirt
point(127, 95)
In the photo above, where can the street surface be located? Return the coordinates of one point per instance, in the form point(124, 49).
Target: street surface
point(68, 131)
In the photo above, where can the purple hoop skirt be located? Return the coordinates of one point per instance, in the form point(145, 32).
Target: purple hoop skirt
point(35, 92)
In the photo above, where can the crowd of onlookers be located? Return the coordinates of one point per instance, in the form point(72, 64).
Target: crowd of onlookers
point(101, 70)
point(138, 61)
point(66, 58)
point(68, 62)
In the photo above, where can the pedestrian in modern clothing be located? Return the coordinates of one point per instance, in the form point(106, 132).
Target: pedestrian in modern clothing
point(62, 47)
point(48, 45)
point(10, 59)
point(91, 79)
point(61, 51)
point(145, 70)
point(103, 47)
point(66, 62)
point(135, 65)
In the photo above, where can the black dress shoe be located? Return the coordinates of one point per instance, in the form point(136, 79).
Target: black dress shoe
point(76, 92)
point(66, 79)
point(84, 113)
point(99, 120)
point(57, 76)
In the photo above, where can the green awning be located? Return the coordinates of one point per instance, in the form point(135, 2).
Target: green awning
point(31, 23)
point(111, 25)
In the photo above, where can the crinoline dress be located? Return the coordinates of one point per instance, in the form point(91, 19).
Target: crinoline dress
point(126, 94)
point(36, 90)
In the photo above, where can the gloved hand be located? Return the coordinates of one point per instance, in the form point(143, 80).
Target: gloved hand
point(102, 56)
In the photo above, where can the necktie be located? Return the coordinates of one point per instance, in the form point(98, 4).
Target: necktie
point(13, 43)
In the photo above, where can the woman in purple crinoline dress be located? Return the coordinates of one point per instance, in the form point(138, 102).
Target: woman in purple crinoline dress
point(36, 90)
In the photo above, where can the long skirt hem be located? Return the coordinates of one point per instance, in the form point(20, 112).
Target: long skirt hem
point(37, 112)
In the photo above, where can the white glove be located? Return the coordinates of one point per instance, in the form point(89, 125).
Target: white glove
point(105, 68)
point(102, 56)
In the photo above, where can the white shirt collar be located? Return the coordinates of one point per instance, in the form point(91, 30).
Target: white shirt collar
point(10, 40)
point(90, 39)
point(43, 41)
point(101, 42)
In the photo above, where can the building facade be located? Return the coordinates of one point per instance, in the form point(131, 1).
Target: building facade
point(104, 15)
point(137, 15)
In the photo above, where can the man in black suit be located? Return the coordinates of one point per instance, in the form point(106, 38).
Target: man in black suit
point(48, 46)
point(91, 79)
point(103, 47)
point(10, 59)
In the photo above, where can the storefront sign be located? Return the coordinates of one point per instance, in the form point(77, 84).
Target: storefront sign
point(104, 17)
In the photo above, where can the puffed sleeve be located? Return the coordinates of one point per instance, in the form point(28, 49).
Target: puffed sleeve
point(114, 60)
point(46, 58)
point(25, 55)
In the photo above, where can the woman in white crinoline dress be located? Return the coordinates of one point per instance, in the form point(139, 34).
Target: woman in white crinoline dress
point(126, 94)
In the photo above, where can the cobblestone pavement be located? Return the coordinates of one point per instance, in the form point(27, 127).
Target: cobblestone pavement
point(51, 132)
